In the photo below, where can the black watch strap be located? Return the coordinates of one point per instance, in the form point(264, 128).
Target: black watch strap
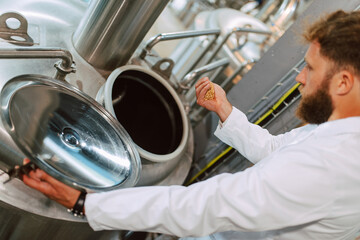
point(78, 209)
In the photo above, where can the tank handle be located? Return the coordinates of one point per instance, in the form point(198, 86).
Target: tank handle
point(164, 67)
point(15, 35)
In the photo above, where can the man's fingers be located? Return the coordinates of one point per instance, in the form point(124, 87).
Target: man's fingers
point(201, 81)
point(52, 188)
point(38, 179)
point(34, 175)
point(201, 88)
point(40, 175)
point(200, 85)
point(43, 176)
point(42, 187)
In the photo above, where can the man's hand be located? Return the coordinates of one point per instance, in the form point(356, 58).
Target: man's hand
point(219, 104)
point(51, 187)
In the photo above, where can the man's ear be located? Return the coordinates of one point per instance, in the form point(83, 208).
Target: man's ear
point(344, 82)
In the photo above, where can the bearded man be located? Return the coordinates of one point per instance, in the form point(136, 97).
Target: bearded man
point(304, 184)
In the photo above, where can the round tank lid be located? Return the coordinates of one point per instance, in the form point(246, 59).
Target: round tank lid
point(68, 134)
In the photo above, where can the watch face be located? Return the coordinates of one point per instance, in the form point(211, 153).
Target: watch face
point(68, 134)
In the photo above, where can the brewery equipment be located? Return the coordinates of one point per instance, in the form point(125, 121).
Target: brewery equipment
point(88, 100)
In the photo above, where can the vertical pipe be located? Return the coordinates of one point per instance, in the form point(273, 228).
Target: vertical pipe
point(285, 13)
point(111, 30)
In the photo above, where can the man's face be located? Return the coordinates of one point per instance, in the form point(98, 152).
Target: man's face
point(316, 105)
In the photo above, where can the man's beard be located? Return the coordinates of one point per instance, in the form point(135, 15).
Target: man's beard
point(317, 107)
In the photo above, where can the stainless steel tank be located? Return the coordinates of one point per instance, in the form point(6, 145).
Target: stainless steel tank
point(226, 20)
point(241, 47)
point(100, 38)
point(26, 214)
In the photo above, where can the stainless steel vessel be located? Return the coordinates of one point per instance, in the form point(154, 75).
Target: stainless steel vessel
point(99, 38)
point(88, 78)
point(26, 214)
point(111, 30)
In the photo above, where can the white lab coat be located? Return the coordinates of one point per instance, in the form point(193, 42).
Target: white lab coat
point(305, 185)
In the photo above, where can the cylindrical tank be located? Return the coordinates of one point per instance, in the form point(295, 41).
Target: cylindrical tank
point(52, 24)
point(90, 80)
point(111, 30)
point(235, 49)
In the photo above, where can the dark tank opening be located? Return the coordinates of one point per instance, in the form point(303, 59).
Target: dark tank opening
point(147, 111)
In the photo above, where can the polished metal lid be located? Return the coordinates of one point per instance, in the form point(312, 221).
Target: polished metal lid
point(68, 134)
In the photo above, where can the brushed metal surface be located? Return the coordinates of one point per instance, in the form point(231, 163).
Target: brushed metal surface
point(111, 30)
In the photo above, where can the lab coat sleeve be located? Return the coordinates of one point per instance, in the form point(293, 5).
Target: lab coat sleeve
point(260, 198)
point(252, 141)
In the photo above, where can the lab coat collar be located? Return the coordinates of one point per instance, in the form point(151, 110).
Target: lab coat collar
point(339, 126)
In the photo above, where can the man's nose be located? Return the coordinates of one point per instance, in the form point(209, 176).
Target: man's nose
point(300, 78)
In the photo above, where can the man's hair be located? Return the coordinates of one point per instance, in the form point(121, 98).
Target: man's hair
point(339, 37)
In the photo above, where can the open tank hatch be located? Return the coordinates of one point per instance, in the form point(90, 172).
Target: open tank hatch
point(147, 111)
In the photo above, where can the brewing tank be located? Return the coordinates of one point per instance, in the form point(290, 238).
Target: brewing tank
point(91, 45)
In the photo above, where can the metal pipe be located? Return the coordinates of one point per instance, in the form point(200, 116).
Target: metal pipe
point(226, 84)
point(226, 37)
point(192, 76)
point(173, 36)
point(64, 67)
point(266, 10)
point(285, 13)
point(110, 31)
